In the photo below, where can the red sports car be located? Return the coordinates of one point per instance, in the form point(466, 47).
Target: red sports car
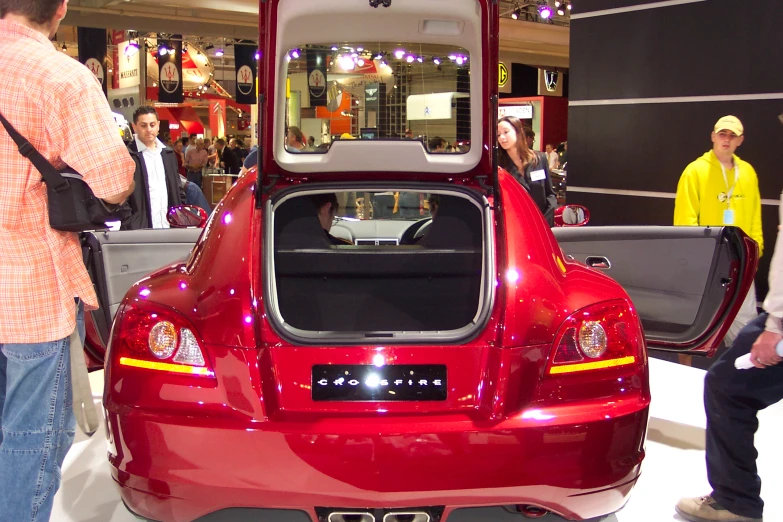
point(372, 330)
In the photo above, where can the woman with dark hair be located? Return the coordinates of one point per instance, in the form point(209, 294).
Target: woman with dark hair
point(528, 167)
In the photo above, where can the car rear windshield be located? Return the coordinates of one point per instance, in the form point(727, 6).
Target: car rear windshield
point(378, 91)
point(403, 205)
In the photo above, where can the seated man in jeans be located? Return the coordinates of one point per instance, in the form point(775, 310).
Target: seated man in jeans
point(732, 400)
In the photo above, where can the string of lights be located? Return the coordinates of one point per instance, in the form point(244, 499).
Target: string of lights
point(540, 11)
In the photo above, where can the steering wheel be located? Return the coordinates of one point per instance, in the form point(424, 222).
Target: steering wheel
point(412, 233)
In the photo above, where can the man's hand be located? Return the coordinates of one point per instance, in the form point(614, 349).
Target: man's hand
point(763, 354)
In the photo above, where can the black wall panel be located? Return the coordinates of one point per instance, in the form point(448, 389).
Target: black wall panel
point(588, 6)
point(647, 146)
point(705, 48)
point(701, 49)
point(609, 209)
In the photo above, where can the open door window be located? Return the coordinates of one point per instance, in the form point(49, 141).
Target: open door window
point(117, 260)
point(687, 283)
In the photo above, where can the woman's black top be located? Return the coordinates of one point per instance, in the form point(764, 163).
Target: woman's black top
point(541, 189)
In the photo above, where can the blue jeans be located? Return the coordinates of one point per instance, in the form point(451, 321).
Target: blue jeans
point(195, 176)
point(194, 196)
point(37, 424)
point(732, 400)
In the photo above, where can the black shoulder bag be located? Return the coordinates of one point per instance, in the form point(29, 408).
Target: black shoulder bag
point(72, 205)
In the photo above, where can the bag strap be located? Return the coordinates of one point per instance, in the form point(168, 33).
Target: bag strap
point(26, 149)
point(83, 405)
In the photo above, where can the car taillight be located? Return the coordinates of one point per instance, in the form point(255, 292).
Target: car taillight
point(153, 337)
point(604, 335)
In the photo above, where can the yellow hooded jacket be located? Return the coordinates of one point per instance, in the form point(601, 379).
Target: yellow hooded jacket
point(698, 204)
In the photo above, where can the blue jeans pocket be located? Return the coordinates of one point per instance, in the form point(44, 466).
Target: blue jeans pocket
point(31, 352)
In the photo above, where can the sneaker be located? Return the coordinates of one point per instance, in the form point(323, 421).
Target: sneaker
point(707, 509)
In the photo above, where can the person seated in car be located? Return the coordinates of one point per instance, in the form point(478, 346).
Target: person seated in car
point(433, 202)
point(438, 144)
point(326, 207)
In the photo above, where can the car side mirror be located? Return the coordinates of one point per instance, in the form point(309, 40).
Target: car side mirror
point(185, 216)
point(571, 216)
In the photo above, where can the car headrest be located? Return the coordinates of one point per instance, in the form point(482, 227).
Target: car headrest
point(457, 225)
point(297, 225)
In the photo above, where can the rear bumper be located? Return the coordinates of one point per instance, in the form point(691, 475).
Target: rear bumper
point(181, 472)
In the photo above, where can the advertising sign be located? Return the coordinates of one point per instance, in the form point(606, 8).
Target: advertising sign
point(316, 78)
point(523, 112)
point(92, 52)
point(128, 66)
point(170, 83)
point(245, 67)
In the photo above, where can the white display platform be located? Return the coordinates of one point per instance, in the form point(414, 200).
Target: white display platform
point(674, 466)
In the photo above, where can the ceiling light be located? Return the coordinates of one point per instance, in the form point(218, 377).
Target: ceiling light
point(436, 60)
point(452, 57)
point(516, 13)
point(379, 56)
point(335, 48)
point(568, 6)
point(561, 10)
point(360, 62)
point(399, 53)
point(346, 62)
point(219, 53)
point(557, 3)
point(258, 55)
point(65, 47)
point(130, 50)
point(384, 64)
point(360, 49)
point(295, 53)
point(544, 11)
point(420, 59)
point(410, 58)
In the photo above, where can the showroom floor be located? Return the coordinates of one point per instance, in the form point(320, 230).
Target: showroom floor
point(674, 466)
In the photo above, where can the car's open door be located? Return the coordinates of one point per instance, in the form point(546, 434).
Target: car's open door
point(687, 283)
point(115, 261)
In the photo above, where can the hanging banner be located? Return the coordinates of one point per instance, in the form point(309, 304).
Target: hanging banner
point(316, 78)
point(217, 118)
point(92, 52)
point(170, 84)
point(245, 65)
point(372, 96)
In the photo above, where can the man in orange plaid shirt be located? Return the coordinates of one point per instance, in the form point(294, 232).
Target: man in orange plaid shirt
point(57, 104)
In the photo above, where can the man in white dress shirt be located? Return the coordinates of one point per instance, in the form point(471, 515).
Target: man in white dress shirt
point(732, 400)
point(158, 186)
point(552, 157)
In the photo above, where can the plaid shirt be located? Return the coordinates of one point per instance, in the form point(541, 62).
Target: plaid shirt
point(57, 104)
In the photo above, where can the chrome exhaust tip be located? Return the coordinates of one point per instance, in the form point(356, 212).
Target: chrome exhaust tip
point(531, 511)
point(350, 516)
point(407, 516)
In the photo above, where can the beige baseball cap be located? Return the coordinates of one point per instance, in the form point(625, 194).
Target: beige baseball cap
point(730, 123)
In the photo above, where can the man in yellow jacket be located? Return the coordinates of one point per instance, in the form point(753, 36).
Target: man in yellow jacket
point(720, 189)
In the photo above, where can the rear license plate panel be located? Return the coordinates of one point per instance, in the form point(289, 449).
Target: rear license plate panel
point(359, 382)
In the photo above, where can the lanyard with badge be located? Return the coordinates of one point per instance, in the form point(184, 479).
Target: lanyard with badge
point(728, 214)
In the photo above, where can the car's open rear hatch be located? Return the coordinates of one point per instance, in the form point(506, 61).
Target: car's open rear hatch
point(435, 287)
